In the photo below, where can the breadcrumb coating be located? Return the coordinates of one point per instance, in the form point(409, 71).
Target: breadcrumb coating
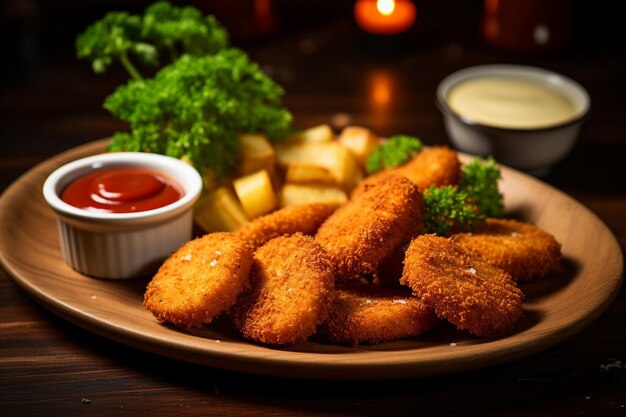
point(521, 249)
point(303, 218)
point(461, 287)
point(437, 165)
point(200, 280)
point(370, 226)
point(290, 292)
point(368, 314)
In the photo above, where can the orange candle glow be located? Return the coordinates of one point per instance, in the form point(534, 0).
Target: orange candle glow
point(385, 17)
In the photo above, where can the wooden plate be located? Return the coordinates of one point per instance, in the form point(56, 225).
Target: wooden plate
point(554, 309)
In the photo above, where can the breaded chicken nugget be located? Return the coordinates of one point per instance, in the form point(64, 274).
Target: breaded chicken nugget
point(461, 287)
point(290, 291)
point(370, 226)
point(200, 280)
point(303, 218)
point(374, 179)
point(521, 249)
point(437, 165)
point(370, 314)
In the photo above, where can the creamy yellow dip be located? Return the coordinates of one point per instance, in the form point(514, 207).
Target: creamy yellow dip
point(510, 103)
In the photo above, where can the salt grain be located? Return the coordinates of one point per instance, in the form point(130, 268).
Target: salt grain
point(452, 344)
point(213, 262)
point(186, 258)
point(218, 252)
point(400, 301)
point(515, 234)
point(93, 297)
point(368, 301)
point(471, 271)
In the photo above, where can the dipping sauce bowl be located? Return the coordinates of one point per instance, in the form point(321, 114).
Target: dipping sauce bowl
point(526, 117)
point(122, 245)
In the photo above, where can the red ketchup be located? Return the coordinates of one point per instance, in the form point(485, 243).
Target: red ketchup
point(122, 190)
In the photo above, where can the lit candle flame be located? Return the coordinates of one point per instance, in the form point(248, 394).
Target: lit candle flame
point(385, 7)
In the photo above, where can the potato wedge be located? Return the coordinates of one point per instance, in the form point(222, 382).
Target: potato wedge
point(303, 173)
point(292, 194)
point(316, 134)
point(360, 141)
point(255, 154)
point(219, 211)
point(331, 156)
point(255, 193)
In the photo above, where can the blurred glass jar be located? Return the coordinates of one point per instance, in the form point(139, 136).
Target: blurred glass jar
point(527, 25)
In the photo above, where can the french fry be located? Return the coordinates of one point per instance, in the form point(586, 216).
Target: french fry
point(219, 211)
point(292, 194)
point(316, 134)
point(360, 141)
point(255, 193)
point(255, 154)
point(330, 156)
point(303, 173)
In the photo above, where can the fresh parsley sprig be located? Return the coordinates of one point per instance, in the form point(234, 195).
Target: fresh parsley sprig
point(396, 151)
point(120, 36)
point(116, 37)
point(452, 209)
point(480, 182)
point(196, 107)
point(449, 209)
point(182, 30)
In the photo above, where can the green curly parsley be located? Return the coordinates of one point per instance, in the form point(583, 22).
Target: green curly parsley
point(395, 152)
point(121, 36)
point(117, 36)
point(453, 209)
point(196, 107)
point(480, 182)
point(449, 209)
point(182, 30)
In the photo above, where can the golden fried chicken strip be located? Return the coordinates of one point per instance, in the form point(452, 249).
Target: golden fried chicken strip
point(199, 280)
point(461, 287)
point(370, 226)
point(437, 165)
point(303, 218)
point(368, 314)
point(521, 249)
point(290, 291)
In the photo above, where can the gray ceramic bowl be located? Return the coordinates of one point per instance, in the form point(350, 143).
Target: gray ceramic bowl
point(530, 150)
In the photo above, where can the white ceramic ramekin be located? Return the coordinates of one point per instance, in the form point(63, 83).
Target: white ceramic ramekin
point(122, 245)
point(530, 150)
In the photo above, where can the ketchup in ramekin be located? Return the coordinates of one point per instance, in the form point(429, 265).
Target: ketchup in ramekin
point(98, 242)
point(122, 190)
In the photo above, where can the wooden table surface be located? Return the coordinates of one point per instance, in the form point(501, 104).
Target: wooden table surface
point(331, 74)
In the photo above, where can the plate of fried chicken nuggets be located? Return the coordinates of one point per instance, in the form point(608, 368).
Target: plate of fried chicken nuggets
point(362, 273)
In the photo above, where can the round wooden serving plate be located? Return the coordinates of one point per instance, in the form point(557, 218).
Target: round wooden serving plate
point(553, 309)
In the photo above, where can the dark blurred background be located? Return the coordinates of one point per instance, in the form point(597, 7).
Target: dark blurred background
point(331, 70)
